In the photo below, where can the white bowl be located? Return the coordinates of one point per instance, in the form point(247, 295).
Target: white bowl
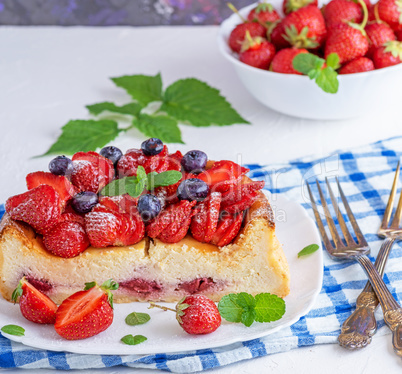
point(299, 96)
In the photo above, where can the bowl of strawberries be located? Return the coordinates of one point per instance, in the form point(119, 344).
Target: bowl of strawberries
point(329, 61)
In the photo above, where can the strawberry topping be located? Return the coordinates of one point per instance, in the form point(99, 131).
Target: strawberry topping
point(228, 228)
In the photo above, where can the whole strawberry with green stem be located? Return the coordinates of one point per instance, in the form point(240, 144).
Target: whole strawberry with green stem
point(196, 314)
point(257, 52)
point(86, 313)
point(378, 33)
point(342, 11)
point(358, 65)
point(305, 28)
point(263, 13)
point(289, 6)
point(348, 40)
point(34, 305)
point(283, 61)
point(390, 11)
point(388, 55)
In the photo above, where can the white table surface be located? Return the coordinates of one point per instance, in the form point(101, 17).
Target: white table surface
point(49, 74)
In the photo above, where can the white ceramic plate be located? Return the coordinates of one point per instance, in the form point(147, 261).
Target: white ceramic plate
point(295, 229)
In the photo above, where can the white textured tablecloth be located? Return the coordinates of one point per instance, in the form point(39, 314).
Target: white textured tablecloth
point(48, 75)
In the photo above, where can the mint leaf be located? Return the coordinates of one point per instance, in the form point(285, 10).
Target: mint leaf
point(141, 173)
point(142, 88)
point(308, 250)
point(132, 109)
point(135, 318)
point(163, 127)
point(333, 61)
point(245, 308)
point(193, 101)
point(328, 80)
point(269, 307)
point(134, 187)
point(166, 178)
point(13, 330)
point(84, 135)
point(229, 309)
point(133, 340)
point(305, 62)
point(115, 188)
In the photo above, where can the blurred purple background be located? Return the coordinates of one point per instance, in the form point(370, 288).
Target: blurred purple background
point(115, 12)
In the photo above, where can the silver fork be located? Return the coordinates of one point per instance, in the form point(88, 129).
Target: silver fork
point(361, 325)
point(357, 251)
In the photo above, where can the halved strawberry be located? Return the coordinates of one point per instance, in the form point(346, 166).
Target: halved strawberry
point(205, 221)
point(91, 171)
point(173, 216)
point(128, 164)
point(59, 182)
point(228, 228)
point(72, 217)
point(66, 239)
point(40, 207)
point(222, 175)
point(241, 197)
point(86, 313)
point(174, 160)
point(106, 227)
point(175, 232)
point(34, 305)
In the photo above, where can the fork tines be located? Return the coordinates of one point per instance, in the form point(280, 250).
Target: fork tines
point(360, 243)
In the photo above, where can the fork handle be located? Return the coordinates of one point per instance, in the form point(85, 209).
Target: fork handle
point(391, 309)
point(357, 330)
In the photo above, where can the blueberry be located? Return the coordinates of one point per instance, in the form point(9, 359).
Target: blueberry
point(61, 165)
point(83, 202)
point(112, 153)
point(192, 189)
point(148, 206)
point(152, 147)
point(194, 161)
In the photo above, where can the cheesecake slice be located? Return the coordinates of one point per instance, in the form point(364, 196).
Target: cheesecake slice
point(152, 270)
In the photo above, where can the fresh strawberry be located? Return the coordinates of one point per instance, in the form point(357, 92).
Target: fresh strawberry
point(305, 28)
point(170, 220)
point(59, 182)
point(390, 11)
point(398, 35)
point(257, 52)
point(91, 171)
point(66, 239)
point(40, 207)
point(263, 13)
point(238, 34)
point(388, 55)
point(34, 305)
point(342, 11)
point(378, 34)
point(174, 160)
point(241, 197)
point(128, 164)
point(283, 61)
point(222, 175)
point(106, 227)
point(205, 221)
point(358, 65)
point(86, 313)
point(348, 41)
point(196, 314)
point(289, 6)
point(227, 230)
point(276, 35)
point(175, 232)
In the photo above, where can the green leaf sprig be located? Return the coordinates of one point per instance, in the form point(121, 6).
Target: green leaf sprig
point(313, 66)
point(308, 250)
point(187, 101)
point(245, 308)
point(135, 185)
point(135, 318)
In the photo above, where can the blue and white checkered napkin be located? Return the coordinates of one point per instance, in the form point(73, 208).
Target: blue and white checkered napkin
point(366, 175)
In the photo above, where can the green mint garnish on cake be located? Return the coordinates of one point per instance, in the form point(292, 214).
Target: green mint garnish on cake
point(245, 308)
point(153, 111)
point(135, 185)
